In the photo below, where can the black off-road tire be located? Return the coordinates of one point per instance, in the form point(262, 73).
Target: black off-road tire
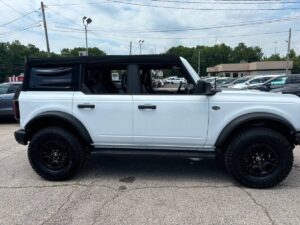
point(259, 138)
point(48, 141)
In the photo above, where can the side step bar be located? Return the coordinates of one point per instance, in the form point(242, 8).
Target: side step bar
point(155, 152)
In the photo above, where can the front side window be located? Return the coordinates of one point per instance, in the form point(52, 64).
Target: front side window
point(58, 78)
point(105, 79)
point(257, 81)
point(164, 79)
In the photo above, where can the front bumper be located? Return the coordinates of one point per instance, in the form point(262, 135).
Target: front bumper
point(21, 137)
point(298, 138)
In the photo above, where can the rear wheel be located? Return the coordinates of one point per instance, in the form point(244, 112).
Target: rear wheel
point(259, 157)
point(55, 154)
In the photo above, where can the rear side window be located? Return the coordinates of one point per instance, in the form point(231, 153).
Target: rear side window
point(56, 78)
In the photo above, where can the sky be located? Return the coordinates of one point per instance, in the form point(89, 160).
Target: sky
point(160, 23)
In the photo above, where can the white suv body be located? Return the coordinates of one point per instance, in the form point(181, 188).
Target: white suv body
point(200, 121)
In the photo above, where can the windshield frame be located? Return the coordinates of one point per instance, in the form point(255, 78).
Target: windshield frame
point(190, 69)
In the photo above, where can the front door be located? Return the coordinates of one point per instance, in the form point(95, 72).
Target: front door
point(170, 121)
point(168, 116)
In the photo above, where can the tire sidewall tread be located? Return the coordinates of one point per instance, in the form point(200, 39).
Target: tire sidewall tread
point(261, 135)
point(77, 153)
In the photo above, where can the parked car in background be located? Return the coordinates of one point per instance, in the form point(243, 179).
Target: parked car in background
point(157, 83)
point(254, 81)
point(175, 80)
point(224, 80)
point(237, 81)
point(288, 89)
point(209, 79)
point(278, 82)
point(7, 91)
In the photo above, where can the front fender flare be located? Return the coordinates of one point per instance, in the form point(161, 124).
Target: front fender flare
point(247, 118)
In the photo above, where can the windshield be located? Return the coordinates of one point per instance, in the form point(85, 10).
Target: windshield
point(190, 69)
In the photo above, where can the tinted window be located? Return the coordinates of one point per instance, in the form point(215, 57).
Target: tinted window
point(295, 79)
point(13, 88)
point(3, 88)
point(279, 81)
point(105, 79)
point(257, 81)
point(51, 78)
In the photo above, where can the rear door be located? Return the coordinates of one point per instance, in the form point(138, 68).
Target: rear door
point(169, 118)
point(104, 105)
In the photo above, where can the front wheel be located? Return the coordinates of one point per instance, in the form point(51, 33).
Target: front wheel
point(259, 157)
point(55, 154)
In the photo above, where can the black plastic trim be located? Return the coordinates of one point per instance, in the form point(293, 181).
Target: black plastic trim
point(155, 152)
point(298, 137)
point(66, 117)
point(21, 137)
point(246, 118)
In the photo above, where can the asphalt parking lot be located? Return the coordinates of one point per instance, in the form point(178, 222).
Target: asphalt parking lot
point(126, 190)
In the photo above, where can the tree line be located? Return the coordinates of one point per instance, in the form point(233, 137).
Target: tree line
point(12, 56)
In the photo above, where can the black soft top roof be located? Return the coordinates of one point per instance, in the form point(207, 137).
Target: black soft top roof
point(139, 59)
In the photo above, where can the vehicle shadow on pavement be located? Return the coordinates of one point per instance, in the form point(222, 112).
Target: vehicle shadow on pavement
point(8, 120)
point(127, 169)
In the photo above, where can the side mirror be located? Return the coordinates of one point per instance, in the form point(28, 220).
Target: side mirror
point(203, 87)
point(247, 83)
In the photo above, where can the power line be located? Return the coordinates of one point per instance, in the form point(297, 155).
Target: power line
point(12, 8)
point(181, 8)
point(226, 2)
point(59, 14)
point(254, 22)
point(18, 18)
point(16, 31)
point(174, 38)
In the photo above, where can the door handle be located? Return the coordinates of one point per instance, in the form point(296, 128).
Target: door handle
point(147, 106)
point(86, 106)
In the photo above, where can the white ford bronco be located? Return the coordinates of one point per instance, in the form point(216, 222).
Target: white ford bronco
point(70, 107)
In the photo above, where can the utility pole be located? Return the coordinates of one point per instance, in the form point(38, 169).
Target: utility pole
point(199, 62)
point(130, 48)
point(86, 21)
point(140, 43)
point(275, 47)
point(45, 27)
point(86, 41)
point(288, 52)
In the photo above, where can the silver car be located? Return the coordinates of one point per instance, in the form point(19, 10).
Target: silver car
point(7, 91)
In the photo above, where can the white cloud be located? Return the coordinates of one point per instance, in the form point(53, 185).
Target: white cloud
point(111, 18)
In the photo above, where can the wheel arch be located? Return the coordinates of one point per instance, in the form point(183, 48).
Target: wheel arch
point(60, 119)
point(270, 120)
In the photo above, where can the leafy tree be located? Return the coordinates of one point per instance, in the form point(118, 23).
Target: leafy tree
point(12, 56)
point(75, 51)
point(274, 57)
point(247, 54)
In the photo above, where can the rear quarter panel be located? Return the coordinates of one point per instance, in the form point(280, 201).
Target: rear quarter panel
point(32, 103)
